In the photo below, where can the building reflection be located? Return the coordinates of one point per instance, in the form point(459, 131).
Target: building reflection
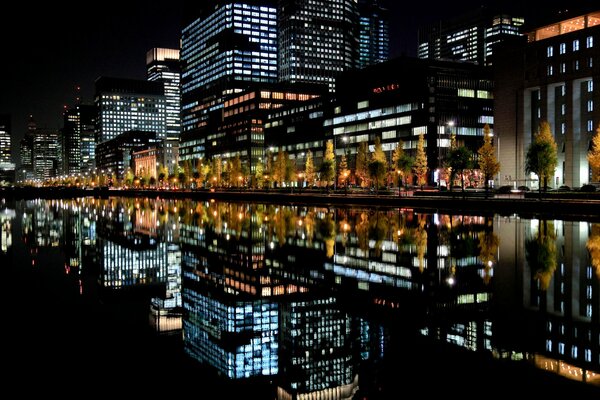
point(304, 297)
point(7, 215)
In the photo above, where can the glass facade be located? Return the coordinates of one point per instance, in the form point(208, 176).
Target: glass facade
point(126, 104)
point(318, 40)
point(224, 50)
point(78, 139)
point(5, 139)
point(373, 36)
point(164, 66)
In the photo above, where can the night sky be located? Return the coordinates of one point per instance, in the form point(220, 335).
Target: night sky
point(56, 47)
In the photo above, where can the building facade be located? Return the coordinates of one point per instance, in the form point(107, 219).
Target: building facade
point(558, 71)
point(46, 154)
point(470, 37)
point(404, 98)
point(373, 33)
point(26, 151)
point(164, 66)
point(116, 155)
point(78, 140)
point(318, 40)
point(228, 47)
point(128, 104)
point(7, 167)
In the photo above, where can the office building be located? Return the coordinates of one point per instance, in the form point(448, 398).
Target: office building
point(46, 154)
point(373, 33)
point(228, 47)
point(407, 97)
point(164, 66)
point(116, 155)
point(5, 139)
point(241, 130)
point(78, 142)
point(317, 40)
point(553, 77)
point(470, 37)
point(7, 167)
point(127, 104)
point(26, 151)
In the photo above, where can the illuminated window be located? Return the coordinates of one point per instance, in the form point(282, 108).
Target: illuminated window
point(589, 42)
point(550, 70)
point(590, 125)
point(550, 51)
point(590, 105)
point(576, 45)
point(562, 48)
point(590, 86)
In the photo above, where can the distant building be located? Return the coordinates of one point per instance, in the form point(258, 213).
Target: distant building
point(127, 104)
point(5, 139)
point(470, 37)
point(46, 154)
point(26, 151)
point(7, 167)
point(164, 66)
point(78, 141)
point(317, 40)
point(553, 77)
point(116, 155)
point(147, 160)
point(373, 33)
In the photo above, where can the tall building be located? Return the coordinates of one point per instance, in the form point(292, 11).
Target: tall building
point(373, 33)
point(7, 167)
point(26, 151)
point(228, 47)
point(128, 104)
point(46, 154)
point(317, 40)
point(164, 66)
point(78, 139)
point(470, 37)
point(552, 78)
point(5, 143)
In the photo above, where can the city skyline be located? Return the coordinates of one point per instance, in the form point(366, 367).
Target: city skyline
point(74, 55)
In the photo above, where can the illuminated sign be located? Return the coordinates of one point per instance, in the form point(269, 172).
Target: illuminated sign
point(387, 88)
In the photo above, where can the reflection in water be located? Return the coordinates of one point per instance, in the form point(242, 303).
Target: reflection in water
point(308, 297)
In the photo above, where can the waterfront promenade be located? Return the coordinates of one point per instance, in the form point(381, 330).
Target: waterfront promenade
point(563, 204)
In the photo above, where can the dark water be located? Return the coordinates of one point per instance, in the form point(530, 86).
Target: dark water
point(171, 297)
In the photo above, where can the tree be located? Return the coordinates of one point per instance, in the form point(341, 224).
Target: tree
point(270, 169)
point(236, 171)
point(488, 164)
point(542, 157)
point(258, 174)
point(420, 165)
point(402, 163)
point(344, 172)
point(377, 165)
point(540, 253)
point(217, 169)
point(328, 167)
point(459, 159)
point(309, 169)
point(163, 173)
point(129, 177)
point(362, 164)
point(594, 156)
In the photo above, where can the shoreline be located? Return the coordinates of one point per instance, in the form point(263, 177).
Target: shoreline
point(551, 204)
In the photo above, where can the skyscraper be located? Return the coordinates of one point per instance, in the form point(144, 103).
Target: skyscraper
point(128, 104)
point(470, 37)
point(164, 66)
point(26, 151)
point(373, 33)
point(78, 139)
point(45, 155)
point(317, 40)
point(228, 47)
point(5, 131)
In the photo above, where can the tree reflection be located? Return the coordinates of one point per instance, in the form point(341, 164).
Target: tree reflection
point(593, 246)
point(488, 247)
point(378, 229)
point(420, 235)
point(327, 233)
point(540, 253)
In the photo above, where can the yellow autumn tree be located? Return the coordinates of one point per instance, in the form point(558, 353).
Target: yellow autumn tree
point(420, 164)
point(593, 156)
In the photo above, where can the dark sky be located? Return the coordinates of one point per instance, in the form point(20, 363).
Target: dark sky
point(50, 48)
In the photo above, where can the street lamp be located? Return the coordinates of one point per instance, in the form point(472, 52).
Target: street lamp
point(300, 176)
